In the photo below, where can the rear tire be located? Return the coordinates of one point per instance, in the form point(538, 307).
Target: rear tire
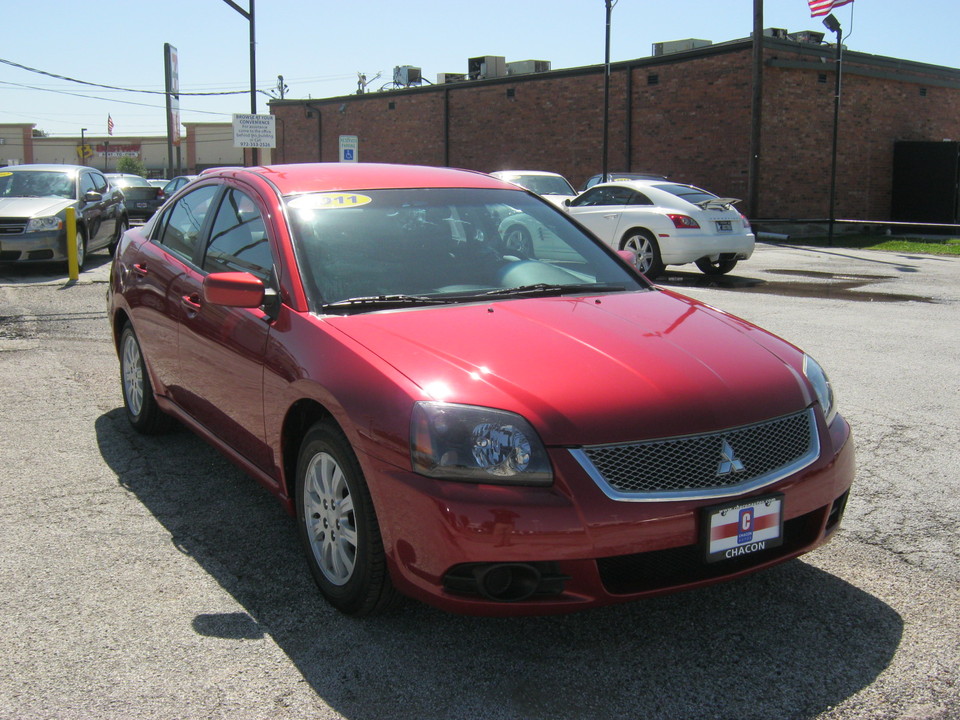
point(721, 266)
point(338, 526)
point(647, 250)
point(517, 241)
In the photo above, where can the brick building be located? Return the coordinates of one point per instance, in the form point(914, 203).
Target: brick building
point(684, 114)
point(203, 145)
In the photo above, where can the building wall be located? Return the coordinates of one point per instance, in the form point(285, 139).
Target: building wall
point(16, 143)
point(686, 115)
point(203, 145)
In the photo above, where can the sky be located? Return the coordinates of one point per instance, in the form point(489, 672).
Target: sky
point(320, 47)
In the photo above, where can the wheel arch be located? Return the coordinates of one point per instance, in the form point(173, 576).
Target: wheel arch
point(301, 416)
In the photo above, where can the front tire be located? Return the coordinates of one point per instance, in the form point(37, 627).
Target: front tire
point(338, 526)
point(719, 266)
point(143, 413)
point(642, 243)
point(80, 242)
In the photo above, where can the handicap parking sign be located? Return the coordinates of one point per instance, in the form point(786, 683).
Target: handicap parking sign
point(349, 145)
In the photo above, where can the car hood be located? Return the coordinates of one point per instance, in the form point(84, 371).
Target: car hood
point(33, 206)
point(588, 370)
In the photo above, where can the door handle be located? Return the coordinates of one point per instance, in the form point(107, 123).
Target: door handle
point(191, 302)
point(140, 269)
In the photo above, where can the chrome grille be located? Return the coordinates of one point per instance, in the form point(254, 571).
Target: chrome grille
point(711, 465)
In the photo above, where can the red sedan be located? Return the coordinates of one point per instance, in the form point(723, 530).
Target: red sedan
point(492, 429)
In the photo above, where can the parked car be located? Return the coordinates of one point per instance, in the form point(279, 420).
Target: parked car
point(490, 434)
point(176, 183)
point(140, 196)
point(666, 223)
point(620, 177)
point(33, 212)
point(552, 186)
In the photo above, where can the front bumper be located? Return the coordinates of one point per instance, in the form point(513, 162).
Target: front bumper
point(34, 247)
point(585, 548)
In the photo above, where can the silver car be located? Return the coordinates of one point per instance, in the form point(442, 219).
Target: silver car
point(33, 211)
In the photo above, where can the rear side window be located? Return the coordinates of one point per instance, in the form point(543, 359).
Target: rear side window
point(180, 232)
point(238, 240)
point(689, 193)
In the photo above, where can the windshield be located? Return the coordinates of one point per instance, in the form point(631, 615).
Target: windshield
point(392, 247)
point(542, 184)
point(37, 183)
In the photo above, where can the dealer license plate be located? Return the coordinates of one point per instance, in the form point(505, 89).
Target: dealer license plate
point(742, 527)
point(724, 226)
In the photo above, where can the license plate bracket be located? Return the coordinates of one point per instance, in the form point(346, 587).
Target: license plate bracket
point(724, 226)
point(742, 527)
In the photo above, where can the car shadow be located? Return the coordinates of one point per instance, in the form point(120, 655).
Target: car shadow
point(50, 272)
point(793, 283)
point(786, 643)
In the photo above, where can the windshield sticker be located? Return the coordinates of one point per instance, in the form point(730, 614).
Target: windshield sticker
point(329, 201)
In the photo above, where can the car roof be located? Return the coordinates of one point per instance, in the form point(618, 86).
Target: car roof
point(526, 172)
point(46, 167)
point(332, 176)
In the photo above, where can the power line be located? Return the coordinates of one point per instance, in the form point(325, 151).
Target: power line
point(94, 97)
point(114, 87)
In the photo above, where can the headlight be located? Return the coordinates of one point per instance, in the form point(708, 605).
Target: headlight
point(44, 223)
point(821, 383)
point(476, 444)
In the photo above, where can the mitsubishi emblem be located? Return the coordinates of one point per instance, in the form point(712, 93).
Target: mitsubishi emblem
point(729, 463)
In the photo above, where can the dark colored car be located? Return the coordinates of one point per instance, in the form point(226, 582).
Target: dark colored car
point(618, 176)
point(33, 208)
point(139, 195)
point(174, 184)
point(488, 430)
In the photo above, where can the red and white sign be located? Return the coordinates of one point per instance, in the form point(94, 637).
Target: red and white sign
point(743, 528)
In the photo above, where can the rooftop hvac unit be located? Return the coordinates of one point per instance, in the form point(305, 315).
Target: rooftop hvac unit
point(807, 36)
point(522, 67)
point(487, 66)
point(775, 33)
point(675, 46)
point(450, 78)
point(406, 75)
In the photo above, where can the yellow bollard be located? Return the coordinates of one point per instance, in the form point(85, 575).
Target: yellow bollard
point(73, 262)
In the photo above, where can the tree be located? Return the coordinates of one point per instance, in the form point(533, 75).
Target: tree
point(132, 165)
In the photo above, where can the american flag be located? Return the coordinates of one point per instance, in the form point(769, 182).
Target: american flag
point(823, 7)
point(110, 120)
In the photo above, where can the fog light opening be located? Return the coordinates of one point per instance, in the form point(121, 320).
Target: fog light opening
point(507, 582)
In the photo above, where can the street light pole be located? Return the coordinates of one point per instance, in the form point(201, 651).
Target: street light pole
point(83, 146)
point(250, 16)
point(606, 92)
point(832, 24)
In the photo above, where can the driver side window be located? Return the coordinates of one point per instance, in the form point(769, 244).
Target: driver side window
point(181, 226)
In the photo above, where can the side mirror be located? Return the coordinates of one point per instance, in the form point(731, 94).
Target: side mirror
point(233, 289)
point(92, 196)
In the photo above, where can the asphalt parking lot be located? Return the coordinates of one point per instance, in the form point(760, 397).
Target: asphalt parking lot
point(148, 578)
